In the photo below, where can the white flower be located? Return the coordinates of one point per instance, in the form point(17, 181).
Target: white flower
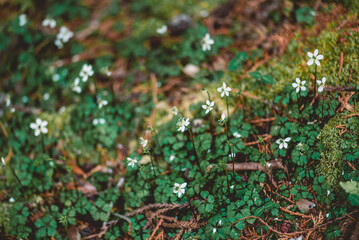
point(105, 71)
point(321, 84)
point(97, 121)
point(11, 200)
point(174, 110)
point(39, 126)
point(328, 192)
point(214, 230)
point(46, 96)
point(232, 155)
point(299, 85)
point(86, 72)
point(49, 22)
point(131, 162)
point(2, 161)
point(207, 41)
point(172, 157)
point(162, 30)
point(143, 142)
point(327, 215)
point(283, 142)
point(237, 135)
point(224, 90)
point(182, 124)
point(101, 103)
point(63, 36)
point(75, 85)
point(299, 238)
point(222, 120)
point(220, 222)
point(314, 57)
point(299, 146)
point(179, 189)
point(22, 20)
point(209, 106)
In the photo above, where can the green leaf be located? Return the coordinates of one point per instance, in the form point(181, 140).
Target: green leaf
point(350, 187)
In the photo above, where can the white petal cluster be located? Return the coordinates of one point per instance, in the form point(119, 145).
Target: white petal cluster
point(283, 143)
point(22, 20)
point(76, 85)
point(98, 121)
point(143, 142)
point(86, 72)
point(224, 90)
point(299, 85)
point(49, 22)
point(174, 110)
point(179, 189)
point(222, 120)
point(101, 103)
point(237, 135)
point(131, 162)
point(208, 106)
point(207, 41)
point(39, 126)
point(182, 124)
point(321, 84)
point(314, 58)
point(162, 30)
point(63, 36)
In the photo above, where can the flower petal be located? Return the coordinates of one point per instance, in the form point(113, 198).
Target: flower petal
point(323, 80)
point(310, 62)
point(287, 139)
point(285, 145)
point(310, 54)
point(316, 52)
point(297, 80)
point(319, 57)
point(33, 125)
point(317, 62)
point(294, 85)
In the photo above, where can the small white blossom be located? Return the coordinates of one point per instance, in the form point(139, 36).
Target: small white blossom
point(328, 192)
point(314, 57)
point(327, 215)
point(46, 96)
point(63, 36)
point(105, 71)
point(179, 189)
point(49, 22)
point(143, 142)
point(172, 157)
point(182, 124)
point(131, 162)
point(220, 223)
point(39, 126)
point(222, 120)
point(237, 135)
point(214, 230)
point(86, 72)
point(299, 146)
point(22, 20)
point(321, 84)
point(97, 121)
point(11, 200)
point(208, 106)
point(207, 41)
point(224, 90)
point(55, 77)
point(101, 103)
point(174, 110)
point(299, 238)
point(2, 161)
point(283, 142)
point(162, 30)
point(298, 85)
point(75, 86)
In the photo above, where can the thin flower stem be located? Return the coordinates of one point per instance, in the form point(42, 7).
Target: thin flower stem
point(156, 139)
point(315, 80)
point(229, 145)
point(195, 150)
point(153, 166)
point(227, 109)
point(13, 172)
point(229, 189)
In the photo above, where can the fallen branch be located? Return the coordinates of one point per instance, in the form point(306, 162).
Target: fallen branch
point(258, 167)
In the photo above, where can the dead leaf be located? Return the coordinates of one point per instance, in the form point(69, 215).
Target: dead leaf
point(305, 205)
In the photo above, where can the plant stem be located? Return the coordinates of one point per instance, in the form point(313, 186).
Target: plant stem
point(153, 166)
point(13, 171)
point(195, 150)
point(227, 109)
point(156, 138)
point(229, 145)
point(315, 80)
